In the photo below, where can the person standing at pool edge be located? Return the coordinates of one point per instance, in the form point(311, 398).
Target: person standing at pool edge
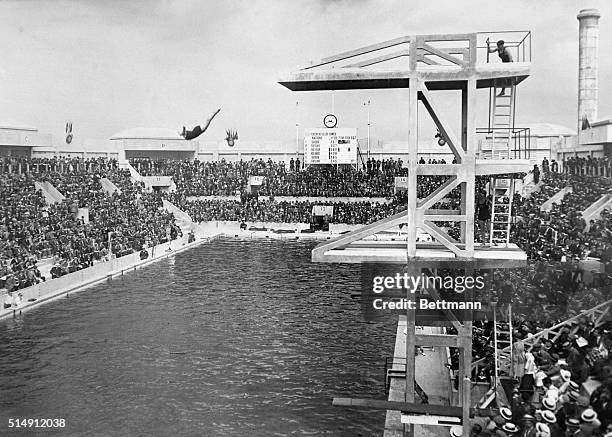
point(503, 54)
point(197, 131)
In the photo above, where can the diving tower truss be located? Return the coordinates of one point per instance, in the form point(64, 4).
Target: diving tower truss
point(425, 64)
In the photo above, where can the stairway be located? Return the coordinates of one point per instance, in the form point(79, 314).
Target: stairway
point(183, 220)
point(501, 121)
point(502, 338)
point(502, 191)
point(50, 193)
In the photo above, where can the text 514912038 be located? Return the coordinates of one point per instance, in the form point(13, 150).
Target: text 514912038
point(18, 422)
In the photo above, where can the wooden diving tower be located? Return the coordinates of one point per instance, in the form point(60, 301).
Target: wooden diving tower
point(428, 63)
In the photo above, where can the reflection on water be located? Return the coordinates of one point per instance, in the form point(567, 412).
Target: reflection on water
point(231, 338)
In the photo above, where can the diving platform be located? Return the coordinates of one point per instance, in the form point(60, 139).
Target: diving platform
point(394, 252)
point(443, 62)
point(483, 167)
point(424, 64)
point(436, 77)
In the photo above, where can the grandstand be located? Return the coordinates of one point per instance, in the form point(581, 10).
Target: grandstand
point(45, 237)
point(541, 359)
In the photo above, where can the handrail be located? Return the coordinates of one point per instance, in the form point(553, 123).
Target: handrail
point(521, 139)
point(532, 340)
point(519, 47)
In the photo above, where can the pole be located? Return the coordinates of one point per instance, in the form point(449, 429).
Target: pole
point(368, 129)
point(297, 130)
point(297, 140)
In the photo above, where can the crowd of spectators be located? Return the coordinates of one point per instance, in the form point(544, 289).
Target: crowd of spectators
point(560, 233)
point(266, 210)
point(33, 230)
point(588, 166)
point(554, 284)
point(555, 236)
point(224, 178)
point(544, 399)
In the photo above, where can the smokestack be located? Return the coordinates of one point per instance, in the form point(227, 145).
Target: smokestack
point(587, 65)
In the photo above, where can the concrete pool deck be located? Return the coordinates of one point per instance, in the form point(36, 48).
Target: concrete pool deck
point(431, 375)
point(53, 289)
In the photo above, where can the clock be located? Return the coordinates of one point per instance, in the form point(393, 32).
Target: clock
point(330, 121)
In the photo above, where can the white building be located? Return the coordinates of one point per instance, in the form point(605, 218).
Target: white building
point(19, 139)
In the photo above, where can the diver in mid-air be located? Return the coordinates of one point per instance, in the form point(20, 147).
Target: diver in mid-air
point(198, 130)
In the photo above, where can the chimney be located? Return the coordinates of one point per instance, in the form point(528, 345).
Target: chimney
point(587, 65)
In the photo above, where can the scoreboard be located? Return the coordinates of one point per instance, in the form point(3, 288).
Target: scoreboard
point(330, 146)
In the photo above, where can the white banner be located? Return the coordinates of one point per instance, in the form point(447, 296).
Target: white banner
point(256, 180)
point(323, 210)
point(502, 183)
point(84, 213)
point(330, 146)
point(401, 183)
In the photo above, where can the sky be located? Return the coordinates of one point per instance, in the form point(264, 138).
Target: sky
point(112, 65)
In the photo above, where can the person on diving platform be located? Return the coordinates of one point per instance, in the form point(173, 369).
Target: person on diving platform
point(197, 131)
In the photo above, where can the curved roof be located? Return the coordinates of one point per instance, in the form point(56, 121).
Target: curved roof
point(147, 133)
point(547, 129)
point(15, 125)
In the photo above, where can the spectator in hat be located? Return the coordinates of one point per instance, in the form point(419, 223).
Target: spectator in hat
point(508, 429)
point(589, 424)
point(568, 410)
point(505, 415)
point(550, 419)
point(528, 426)
point(549, 403)
point(542, 430)
point(572, 427)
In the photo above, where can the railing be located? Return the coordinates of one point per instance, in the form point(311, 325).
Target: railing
point(519, 140)
point(598, 315)
point(517, 42)
point(445, 50)
point(463, 50)
point(41, 165)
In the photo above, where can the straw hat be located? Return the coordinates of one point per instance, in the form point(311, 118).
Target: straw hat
point(506, 413)
point(510, 428)
point(549, 403)
point(456, 431)
point(549, 416)
point(588, 415)
point(542, 427)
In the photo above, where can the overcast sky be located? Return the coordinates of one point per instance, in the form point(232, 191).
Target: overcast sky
point(111, 65)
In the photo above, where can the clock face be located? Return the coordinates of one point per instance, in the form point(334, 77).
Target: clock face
point(330, 121)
